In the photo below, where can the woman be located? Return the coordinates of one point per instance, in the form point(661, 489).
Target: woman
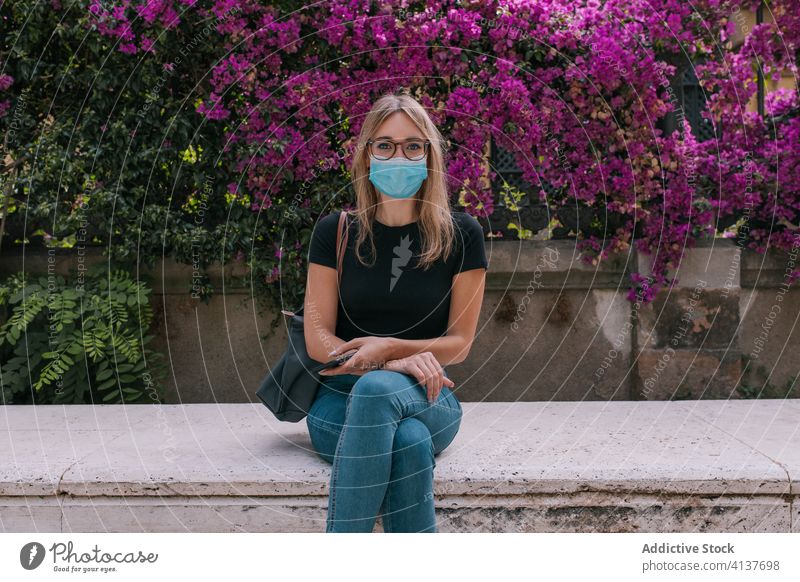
point(413, 276)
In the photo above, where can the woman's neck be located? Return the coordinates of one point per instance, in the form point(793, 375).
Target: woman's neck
point(397, 217)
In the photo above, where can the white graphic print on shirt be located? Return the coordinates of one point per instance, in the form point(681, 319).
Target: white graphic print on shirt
point(402, 254)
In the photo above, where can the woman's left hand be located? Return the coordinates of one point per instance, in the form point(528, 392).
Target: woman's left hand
point(371, 354)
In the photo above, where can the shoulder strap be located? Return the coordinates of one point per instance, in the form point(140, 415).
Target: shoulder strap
point(341, 243)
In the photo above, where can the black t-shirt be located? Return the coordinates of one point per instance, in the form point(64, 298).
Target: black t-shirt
point(393, 297)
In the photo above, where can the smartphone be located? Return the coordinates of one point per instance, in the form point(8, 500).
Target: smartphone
point(338, 361)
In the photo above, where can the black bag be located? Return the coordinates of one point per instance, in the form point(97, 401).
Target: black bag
point(290, 387)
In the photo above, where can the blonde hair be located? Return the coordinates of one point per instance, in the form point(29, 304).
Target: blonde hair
point(432, 200)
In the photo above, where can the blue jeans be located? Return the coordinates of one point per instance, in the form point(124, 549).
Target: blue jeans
point(380, 433)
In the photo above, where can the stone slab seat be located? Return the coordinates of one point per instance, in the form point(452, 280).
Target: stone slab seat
point(682, 466)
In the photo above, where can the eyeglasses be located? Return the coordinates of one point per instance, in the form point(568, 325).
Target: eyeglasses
point(383, 149)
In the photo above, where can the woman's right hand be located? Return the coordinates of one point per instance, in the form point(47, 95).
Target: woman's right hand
point(426, 369)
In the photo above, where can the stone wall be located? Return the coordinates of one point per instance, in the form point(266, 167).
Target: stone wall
point(551, 328)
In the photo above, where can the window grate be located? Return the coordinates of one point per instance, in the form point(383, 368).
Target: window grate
point(694, 103)
point(504, 164)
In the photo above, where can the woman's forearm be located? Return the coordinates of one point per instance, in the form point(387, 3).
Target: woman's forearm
point(449, 349)
point(326, 341)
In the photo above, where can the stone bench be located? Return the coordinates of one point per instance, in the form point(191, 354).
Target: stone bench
point(680, 466)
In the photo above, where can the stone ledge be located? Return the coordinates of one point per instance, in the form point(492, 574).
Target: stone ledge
point(706, 465)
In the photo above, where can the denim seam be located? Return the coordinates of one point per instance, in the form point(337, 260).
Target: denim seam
point(317, 426)
point(388, 508)
point(385, 517)
point(336, 464)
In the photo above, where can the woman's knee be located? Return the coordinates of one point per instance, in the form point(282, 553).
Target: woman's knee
point(380, 383)
point(413, 439)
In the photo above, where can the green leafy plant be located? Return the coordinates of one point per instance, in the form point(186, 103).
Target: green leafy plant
point(78, 341)
point(755, 382)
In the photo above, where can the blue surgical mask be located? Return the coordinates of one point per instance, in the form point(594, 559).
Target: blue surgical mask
point(398, 177)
